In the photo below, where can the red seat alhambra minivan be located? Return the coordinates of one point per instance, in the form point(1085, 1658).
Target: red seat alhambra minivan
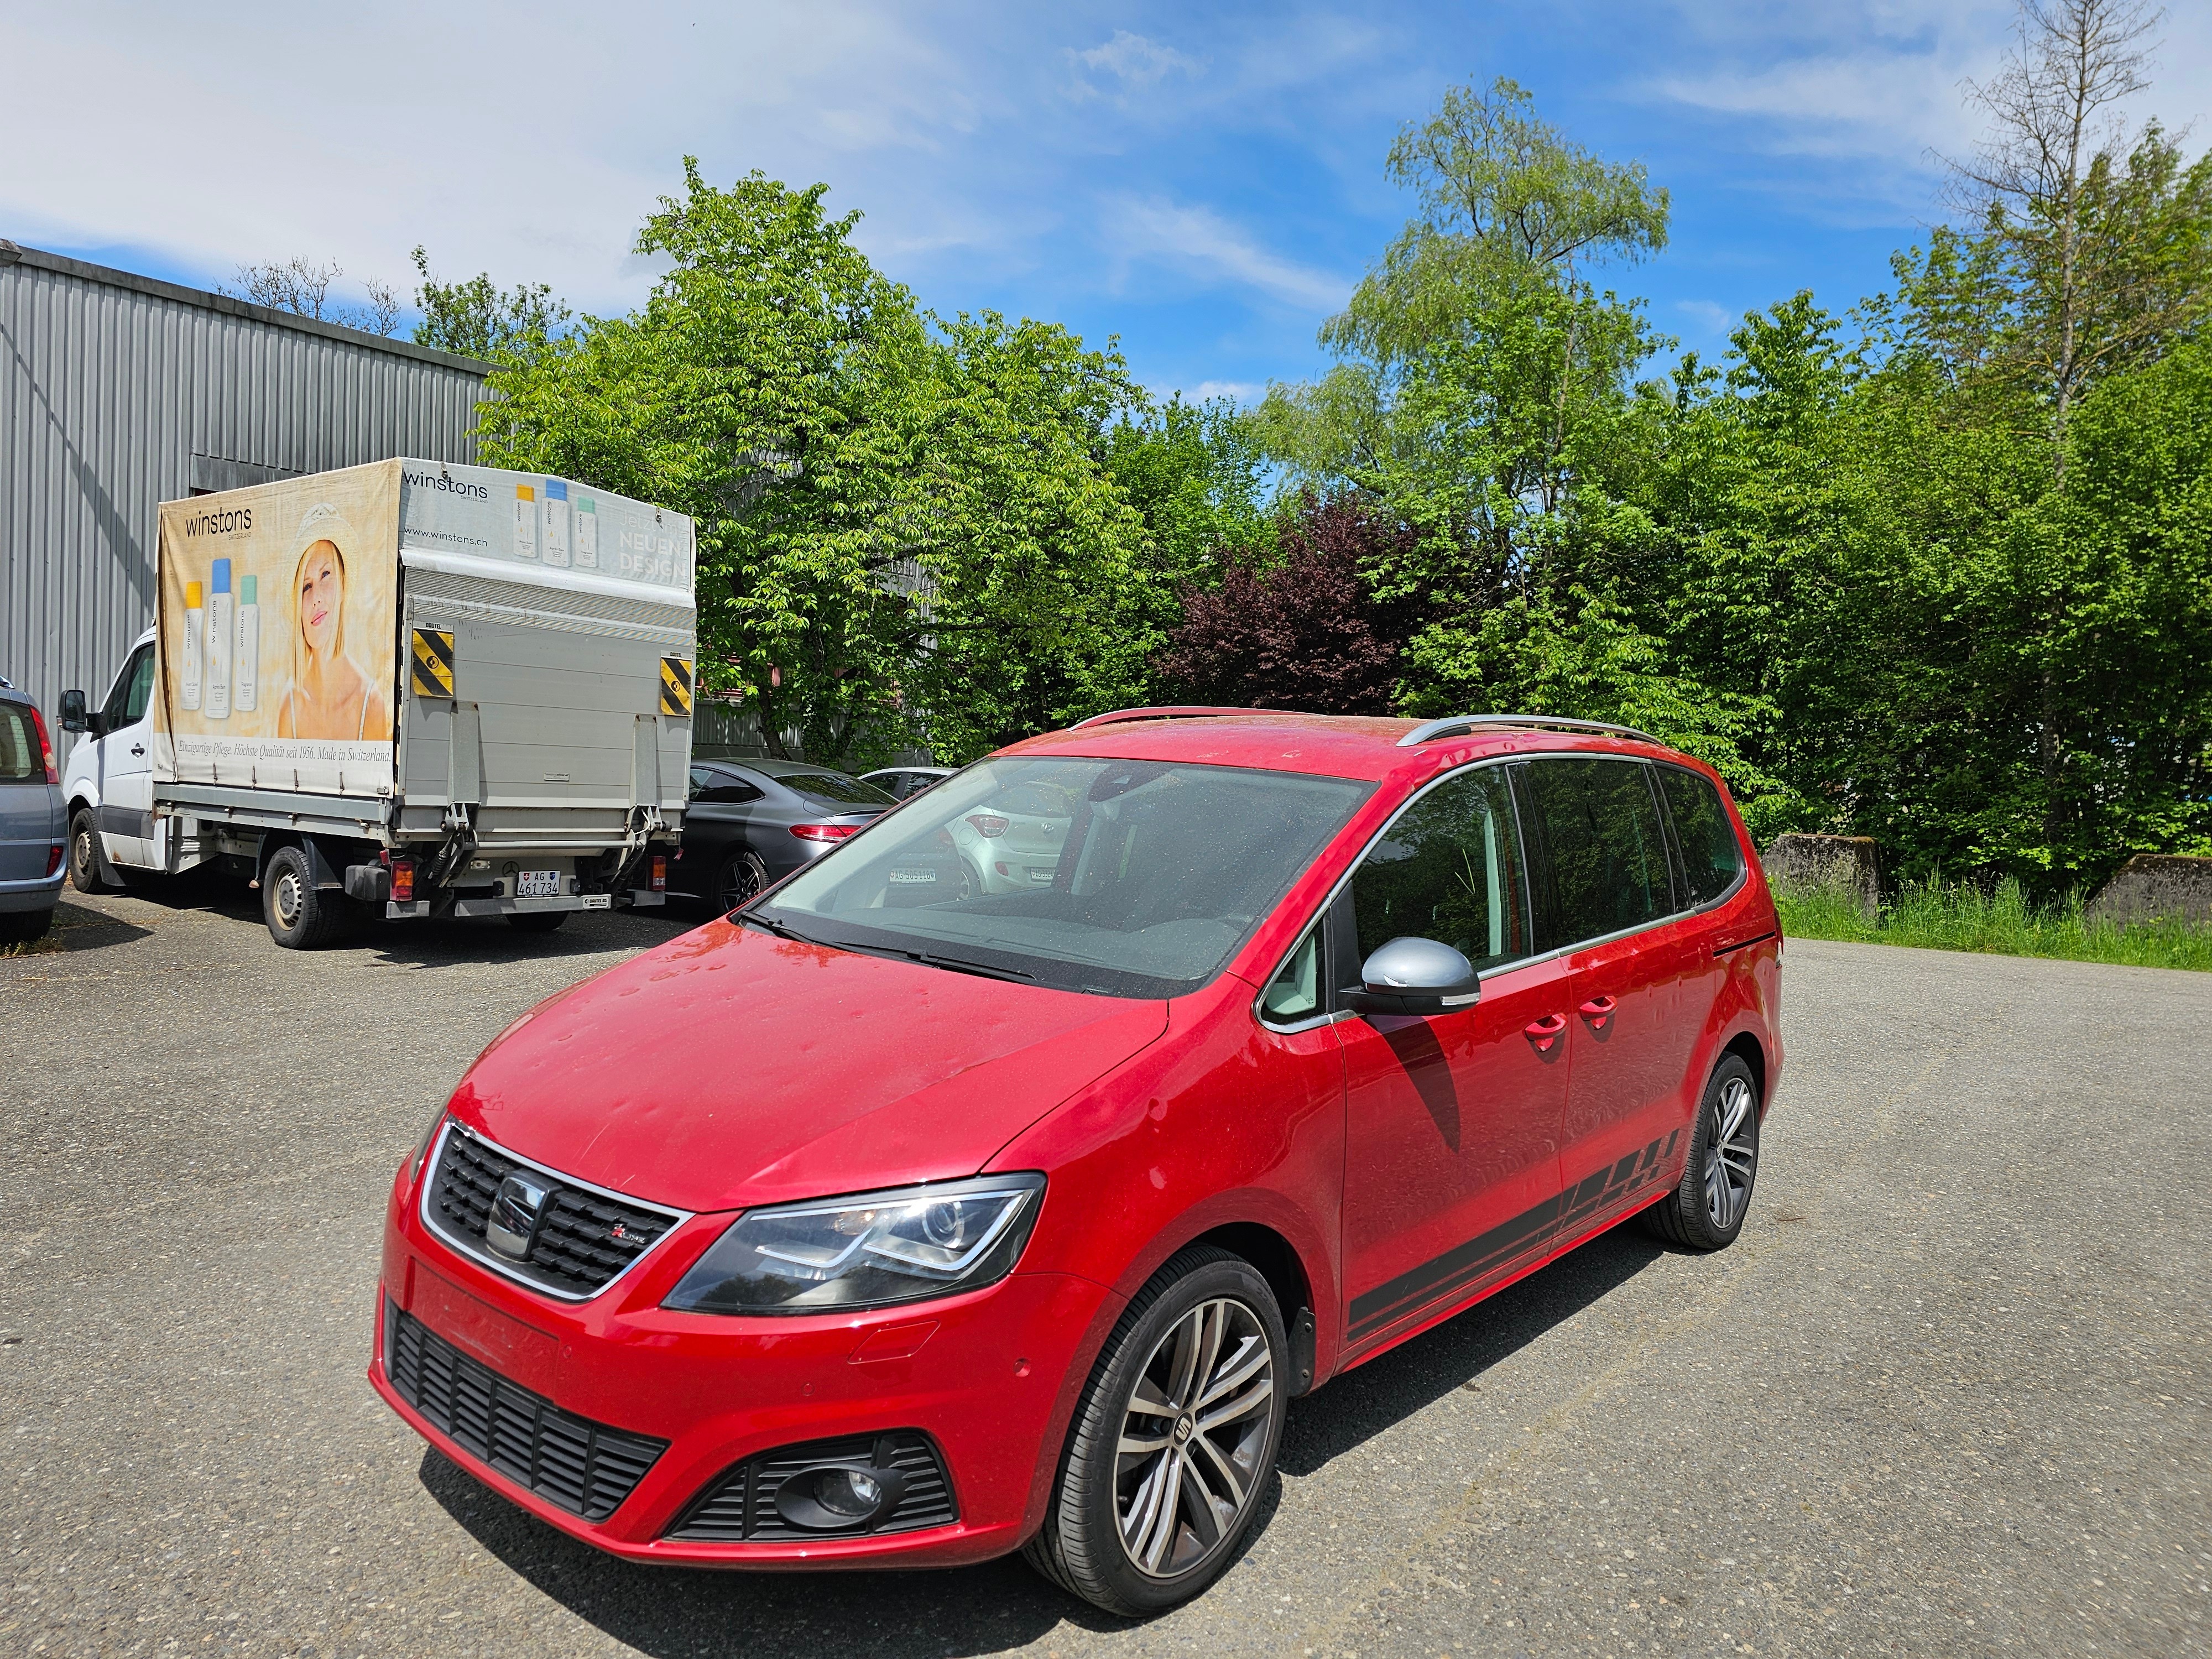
point(903, 1218)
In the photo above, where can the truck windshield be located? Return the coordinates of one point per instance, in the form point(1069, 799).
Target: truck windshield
point(1136, 879)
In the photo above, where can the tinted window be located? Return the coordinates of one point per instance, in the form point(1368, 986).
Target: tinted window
point(1703, 832)
point(720, 787)
point(834, 787)
point(20, 755)
point(1448, 869)
point(134, 686)
point(1602, 832)
point(1163, 870)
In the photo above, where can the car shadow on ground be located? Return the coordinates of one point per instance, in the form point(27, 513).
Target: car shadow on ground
point(78, 927)
point(1001, 1605)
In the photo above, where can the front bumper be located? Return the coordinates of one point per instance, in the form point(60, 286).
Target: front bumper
point(984, 1381)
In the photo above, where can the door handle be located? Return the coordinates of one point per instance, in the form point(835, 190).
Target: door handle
point(1598, 1010)
point(1545, 1031)
point(137, 747)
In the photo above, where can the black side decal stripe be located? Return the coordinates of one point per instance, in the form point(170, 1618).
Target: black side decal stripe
point(1499, 1248)
point(1741, 944)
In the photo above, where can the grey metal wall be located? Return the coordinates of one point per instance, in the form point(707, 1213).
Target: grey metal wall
point(118, 392)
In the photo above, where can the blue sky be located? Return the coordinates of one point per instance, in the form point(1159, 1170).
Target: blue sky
point(1204, 182)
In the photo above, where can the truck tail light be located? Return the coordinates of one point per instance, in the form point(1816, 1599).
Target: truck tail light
point(659, 872)
point(46, 753)
point(402, 881)
point(53, 858)
point(989, 826)
point(822, 831)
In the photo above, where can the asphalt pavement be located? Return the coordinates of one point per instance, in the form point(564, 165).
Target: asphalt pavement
point(1947, 1394)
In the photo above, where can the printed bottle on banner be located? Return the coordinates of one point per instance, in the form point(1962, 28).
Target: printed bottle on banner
point(245, 673)
point(557, 523)
point(219, 621)
point(188, 694)
point(587, 525)
point(525, 522)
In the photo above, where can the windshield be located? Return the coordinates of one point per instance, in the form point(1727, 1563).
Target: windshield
point(1136, 879)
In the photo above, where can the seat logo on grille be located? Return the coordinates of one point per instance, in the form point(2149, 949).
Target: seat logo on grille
point(514, 1215)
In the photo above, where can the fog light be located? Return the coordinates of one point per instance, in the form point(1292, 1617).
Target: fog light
point(838, 1497)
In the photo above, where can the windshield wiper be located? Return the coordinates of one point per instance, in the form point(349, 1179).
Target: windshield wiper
point(957, 965)
point(751, 919)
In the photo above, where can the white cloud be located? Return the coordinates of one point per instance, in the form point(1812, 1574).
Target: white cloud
point(1198, 239)
point(1135, 60)
point(1242, 391)
point(1716, 318)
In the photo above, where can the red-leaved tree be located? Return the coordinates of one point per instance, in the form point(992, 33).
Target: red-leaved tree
point(1298, 630)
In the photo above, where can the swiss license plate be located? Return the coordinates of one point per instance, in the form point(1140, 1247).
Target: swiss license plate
point(537, 884)
point(912, 877)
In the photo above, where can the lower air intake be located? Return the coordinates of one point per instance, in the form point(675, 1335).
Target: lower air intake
point(740, 1505)
point(586, 1467)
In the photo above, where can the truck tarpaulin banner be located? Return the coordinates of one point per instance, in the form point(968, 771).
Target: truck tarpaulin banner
point(555, 524)
point(278, 628)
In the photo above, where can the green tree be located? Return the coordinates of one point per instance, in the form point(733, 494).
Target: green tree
point(478, 319)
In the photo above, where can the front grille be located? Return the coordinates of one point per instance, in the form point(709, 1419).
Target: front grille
point(583, 1240)
point(741, 1503)
point(586, 1467)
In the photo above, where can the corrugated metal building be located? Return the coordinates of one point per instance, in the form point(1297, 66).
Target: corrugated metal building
point(118, 392)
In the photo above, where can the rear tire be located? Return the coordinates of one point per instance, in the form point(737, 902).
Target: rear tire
point(1706, 1211)
point(1193, 1377)
point(741, 877)
point(536, 922)
point(84, 854)
point(301, 917)
point(21, 926)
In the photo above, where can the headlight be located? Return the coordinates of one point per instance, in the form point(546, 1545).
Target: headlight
point(866, 1251)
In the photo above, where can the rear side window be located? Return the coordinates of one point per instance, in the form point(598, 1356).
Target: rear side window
point(1448, 869)
point(1608, 859)
point(1702, 830)
point(19, 746)
point(720, 787)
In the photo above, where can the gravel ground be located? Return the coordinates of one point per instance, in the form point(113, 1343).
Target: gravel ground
point(1945, 1395)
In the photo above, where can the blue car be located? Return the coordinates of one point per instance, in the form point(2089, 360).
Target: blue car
point(32, 832)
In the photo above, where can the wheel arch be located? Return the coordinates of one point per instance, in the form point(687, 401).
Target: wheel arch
point(1753, 1052)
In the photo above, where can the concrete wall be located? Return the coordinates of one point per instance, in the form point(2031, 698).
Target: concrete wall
point(1848, 862)
point(2152, 888)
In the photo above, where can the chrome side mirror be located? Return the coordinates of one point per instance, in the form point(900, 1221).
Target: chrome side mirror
point(1415, 976)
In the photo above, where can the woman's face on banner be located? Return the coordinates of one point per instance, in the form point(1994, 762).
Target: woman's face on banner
point(322, 590)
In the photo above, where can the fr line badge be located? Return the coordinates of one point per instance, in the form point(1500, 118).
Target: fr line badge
point(431, 657)
point(676, 685)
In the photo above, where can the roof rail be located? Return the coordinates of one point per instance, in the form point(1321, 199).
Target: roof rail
point(1461, 726)
point(1167, 712)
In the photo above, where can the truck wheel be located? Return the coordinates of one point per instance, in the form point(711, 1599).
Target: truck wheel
point(84, 853)
point(536, 922)
point(300, 917)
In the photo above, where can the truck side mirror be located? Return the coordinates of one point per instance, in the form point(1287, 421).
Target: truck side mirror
point(1415, 976)
point(73, 715)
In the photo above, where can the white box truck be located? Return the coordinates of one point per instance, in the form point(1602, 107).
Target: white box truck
point(431, 689)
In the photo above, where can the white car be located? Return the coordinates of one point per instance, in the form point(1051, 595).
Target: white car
point(1011, 842)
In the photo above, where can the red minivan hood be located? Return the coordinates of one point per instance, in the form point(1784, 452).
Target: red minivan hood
point(730, 1068)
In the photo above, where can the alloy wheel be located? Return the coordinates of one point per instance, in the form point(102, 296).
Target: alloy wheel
point(742, 877)
point(1192, 1438)
point(1731, 1154)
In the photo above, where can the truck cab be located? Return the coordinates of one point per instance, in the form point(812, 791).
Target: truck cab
point(107, 787)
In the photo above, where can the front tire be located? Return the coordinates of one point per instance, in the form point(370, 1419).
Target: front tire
point(300, 916)
point(1174, 1441)
point(84, 853)
point(1706, 1211)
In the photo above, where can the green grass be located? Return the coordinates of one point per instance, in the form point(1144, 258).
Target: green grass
point(2001, 922)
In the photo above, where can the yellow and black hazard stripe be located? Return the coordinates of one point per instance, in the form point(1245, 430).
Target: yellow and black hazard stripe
point(431, 658)
point(676, 685)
